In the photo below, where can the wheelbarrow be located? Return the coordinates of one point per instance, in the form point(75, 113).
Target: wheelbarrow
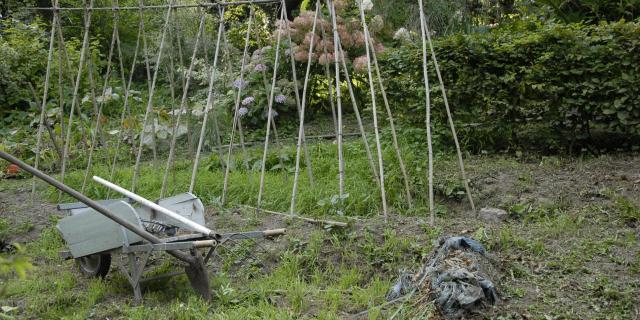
point(94, 231)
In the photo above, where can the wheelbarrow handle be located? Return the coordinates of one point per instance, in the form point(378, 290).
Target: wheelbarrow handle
point(154, 206)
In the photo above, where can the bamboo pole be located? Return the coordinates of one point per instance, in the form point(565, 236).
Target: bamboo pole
point(127, 93)
point(63, 50)
point(47, 125)
point(183, 106)
point(45, 95)
point(147, 63)
point(214, 117)
point(178, 43)
point(171, 69)
point(99, 111)
point(245, 156)
point(302, 111)
point(327, 74)
point(236, 116)
point(307, 157)
point(269, 117)
point(356, 111)
point(375, 116)
point(450, 117)
point(394, 135)
point(92, 86)
point(267, 92)
point(175, 110)
point(336, 55)
point(136, 170)
point(208, 106)
point(243, 145)
point(276, 136)
point(427, 90)
point(83, 53)
point(184, 82)
point(60, 97)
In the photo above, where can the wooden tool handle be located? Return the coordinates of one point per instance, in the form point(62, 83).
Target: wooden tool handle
point(274, 232)
point(205, 243)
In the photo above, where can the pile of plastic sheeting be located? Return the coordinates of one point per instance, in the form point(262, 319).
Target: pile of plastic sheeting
point(456, 277)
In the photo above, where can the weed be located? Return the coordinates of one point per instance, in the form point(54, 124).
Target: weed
point(5, 230)
point(628, 211)
point(47, 245)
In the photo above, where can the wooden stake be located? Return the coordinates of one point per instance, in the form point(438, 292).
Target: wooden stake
point(236, 115)
point(428, 115)
point(267, 92)
point(72, 81)
point(269, 118)
point(127, 93)
point(147, 64)
point(245, 156)
point(97, 129)
point(327, 74)
point(47, 125)
point(43, 108)
point(307, 157)
point(356, 111)
point(83, 53)
point(375, 117)
point(183, 106)
point(302, 112)
point(450, 117)
point(208, 106)
point(181, 59)
point(392, 125)
point(337, 59)
point(136, 170)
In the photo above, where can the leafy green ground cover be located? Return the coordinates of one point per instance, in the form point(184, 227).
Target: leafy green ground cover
point(568, 249)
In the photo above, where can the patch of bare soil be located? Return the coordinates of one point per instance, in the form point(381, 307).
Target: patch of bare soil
point(26, 214)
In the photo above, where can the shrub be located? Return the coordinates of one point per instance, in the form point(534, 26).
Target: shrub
point(567, 81)
point(24, 57)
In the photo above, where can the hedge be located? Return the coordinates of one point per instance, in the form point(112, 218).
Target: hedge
point(568, 81)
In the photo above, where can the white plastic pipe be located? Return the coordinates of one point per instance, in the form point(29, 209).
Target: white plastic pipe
point(150, 204)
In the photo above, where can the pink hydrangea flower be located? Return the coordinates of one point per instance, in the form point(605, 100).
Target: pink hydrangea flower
point(360, 63)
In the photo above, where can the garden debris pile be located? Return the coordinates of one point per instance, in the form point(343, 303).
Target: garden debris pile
point(457, 278)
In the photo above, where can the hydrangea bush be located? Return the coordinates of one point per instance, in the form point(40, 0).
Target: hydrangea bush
point(350, 32)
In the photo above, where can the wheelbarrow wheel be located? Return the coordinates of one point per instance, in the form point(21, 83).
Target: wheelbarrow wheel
point(95, 265)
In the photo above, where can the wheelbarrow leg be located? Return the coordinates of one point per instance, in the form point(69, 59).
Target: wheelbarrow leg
point(209, 254)
point(134, 273)
point(198, 276)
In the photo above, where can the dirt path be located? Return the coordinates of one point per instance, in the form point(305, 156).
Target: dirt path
point(25, 214)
